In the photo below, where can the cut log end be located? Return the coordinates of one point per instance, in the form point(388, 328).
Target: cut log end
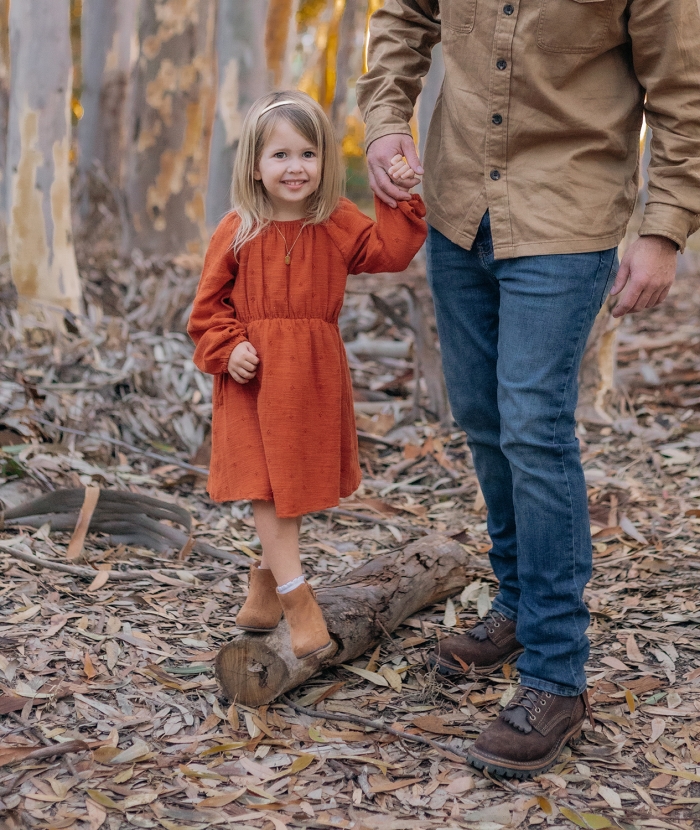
point(254, 669)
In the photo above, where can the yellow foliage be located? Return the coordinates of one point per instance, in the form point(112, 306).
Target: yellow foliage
point(309, 11)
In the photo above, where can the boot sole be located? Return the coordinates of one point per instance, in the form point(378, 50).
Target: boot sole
point(529, 769)
point(447, 669)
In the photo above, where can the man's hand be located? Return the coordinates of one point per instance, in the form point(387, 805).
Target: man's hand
point(243, 363)
point(646, 274)
point(380, 155)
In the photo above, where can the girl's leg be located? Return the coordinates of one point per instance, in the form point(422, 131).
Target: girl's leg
point(280, 542)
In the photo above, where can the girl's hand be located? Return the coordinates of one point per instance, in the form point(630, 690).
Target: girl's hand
point(243, 363)
point(401, 172)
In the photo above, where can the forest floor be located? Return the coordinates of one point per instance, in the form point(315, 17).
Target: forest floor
point(126, 667)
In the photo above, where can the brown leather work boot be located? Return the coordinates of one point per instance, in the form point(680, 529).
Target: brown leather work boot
point(489, 645)
point(307, 627)
point(530, 733)
point(261, 612)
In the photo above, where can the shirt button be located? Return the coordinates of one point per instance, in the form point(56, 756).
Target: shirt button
point(501, 64)
point(508, 9)
point(497, 119)
point(495, 175)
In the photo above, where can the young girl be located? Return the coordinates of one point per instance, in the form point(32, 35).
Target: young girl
point(265, 324)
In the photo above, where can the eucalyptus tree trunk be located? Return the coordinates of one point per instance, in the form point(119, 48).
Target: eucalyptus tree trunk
point(4, 114)
point(242, 78)
point(353, 19)
point(108, 30)
point(173, 104)
point(40, 236)
point(432, 85)
point(598, 394)
point(280, 29)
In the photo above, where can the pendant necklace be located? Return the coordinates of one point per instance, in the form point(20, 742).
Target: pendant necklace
point(288, 255)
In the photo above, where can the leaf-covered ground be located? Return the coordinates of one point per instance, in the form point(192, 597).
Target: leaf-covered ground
point(125, 668)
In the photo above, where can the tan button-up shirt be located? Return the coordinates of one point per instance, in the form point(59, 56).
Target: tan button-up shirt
point(539, 117)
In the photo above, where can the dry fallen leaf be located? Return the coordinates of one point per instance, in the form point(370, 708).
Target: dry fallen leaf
point(634, 655)
point(463, 784)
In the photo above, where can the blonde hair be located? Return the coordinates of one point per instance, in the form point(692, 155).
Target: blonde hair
point(250, 199)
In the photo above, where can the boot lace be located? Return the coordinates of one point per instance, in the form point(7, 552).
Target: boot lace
point(523, 709)
point(492, 621)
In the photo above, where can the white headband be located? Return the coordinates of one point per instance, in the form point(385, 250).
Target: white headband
point(276, 104)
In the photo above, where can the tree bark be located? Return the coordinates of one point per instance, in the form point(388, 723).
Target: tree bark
point(352, 19)
point(40, 235)
point(279, 32)
point(432, 85)
point(427, 362)
point(173, 104)
point(4, 114)
point(597, 383)
point(359, 610)
point(242, 78)
point(108, 31)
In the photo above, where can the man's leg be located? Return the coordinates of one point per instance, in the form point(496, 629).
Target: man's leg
point(467, 298)
point(548, 305)
point(547, 308)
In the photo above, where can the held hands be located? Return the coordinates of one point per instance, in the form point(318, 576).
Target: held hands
point(400, 171)
point(389, 176)
point(646, 274)
point(243, 363)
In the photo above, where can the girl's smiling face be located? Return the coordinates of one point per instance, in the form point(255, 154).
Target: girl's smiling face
point(290, 171)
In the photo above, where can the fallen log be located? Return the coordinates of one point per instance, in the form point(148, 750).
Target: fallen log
point(359, 610)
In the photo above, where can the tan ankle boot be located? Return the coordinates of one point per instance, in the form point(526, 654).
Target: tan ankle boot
point(261, 612)
point(306, 624)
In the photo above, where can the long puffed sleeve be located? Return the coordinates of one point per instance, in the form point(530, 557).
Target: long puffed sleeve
point(389, 244)
point(213, 325)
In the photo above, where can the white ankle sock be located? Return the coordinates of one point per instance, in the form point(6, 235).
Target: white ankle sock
point(291, 585)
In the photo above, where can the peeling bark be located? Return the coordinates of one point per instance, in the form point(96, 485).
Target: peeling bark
point(108, 31)
point(279, 30)
point(597, 385)
point(172, 115)
point(350, 22)
point(4, 114)
point(40, 237)
point(242, 78)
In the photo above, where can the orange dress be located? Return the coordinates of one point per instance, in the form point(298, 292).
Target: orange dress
point(288, 435)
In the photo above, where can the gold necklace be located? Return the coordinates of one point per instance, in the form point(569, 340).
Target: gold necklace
point(288, 255)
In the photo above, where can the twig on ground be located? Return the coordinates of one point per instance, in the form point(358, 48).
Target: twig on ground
point(378, 725)
point(375, 439)
point(90, 573)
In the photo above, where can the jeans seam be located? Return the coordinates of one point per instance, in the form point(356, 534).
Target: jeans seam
point(572, 669)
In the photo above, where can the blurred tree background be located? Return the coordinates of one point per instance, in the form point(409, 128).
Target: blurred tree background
point(119, 121)
point(119, 124)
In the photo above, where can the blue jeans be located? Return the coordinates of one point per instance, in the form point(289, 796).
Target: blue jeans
point(512, 334)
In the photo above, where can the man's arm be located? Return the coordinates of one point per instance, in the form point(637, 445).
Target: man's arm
point(665, 37)
point(402, 34)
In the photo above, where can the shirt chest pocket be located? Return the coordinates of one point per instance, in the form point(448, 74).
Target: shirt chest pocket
point(458, 15)
point(573, 25)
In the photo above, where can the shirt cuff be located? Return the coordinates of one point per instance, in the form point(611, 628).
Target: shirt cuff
point(385, 121)
point(675, 223)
